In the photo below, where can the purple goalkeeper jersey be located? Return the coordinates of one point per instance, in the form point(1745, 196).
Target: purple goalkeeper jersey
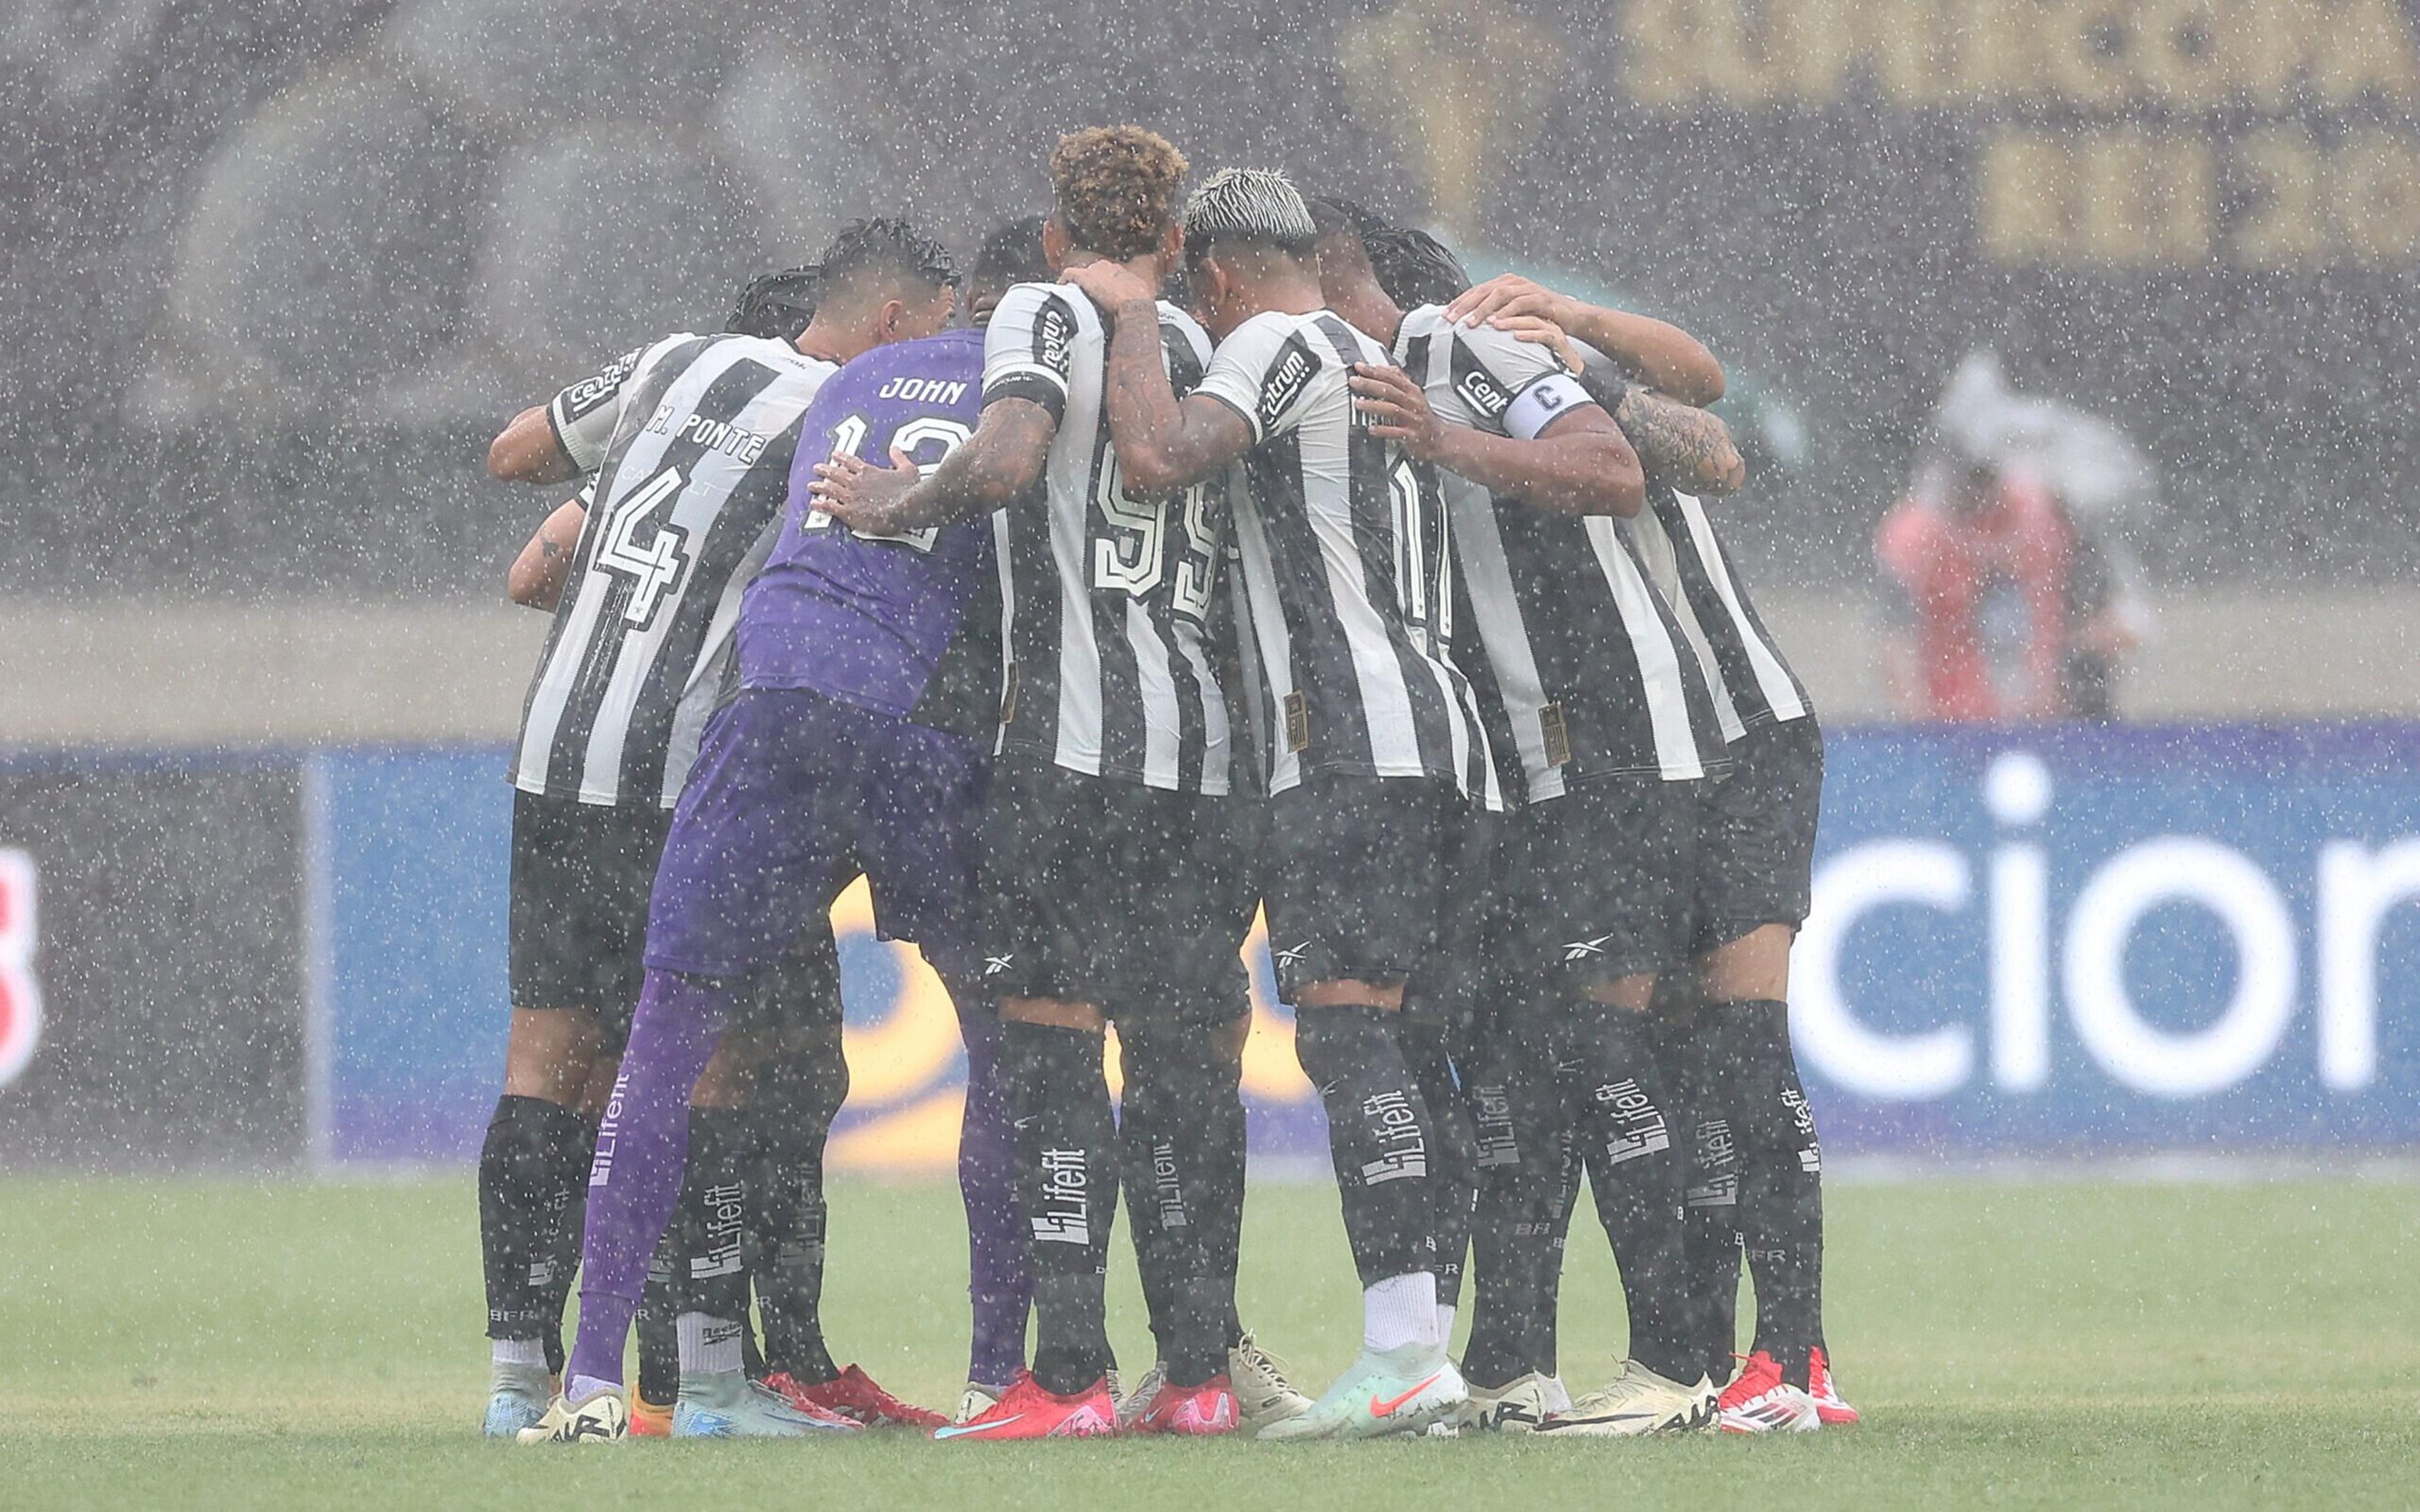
point(883, 622)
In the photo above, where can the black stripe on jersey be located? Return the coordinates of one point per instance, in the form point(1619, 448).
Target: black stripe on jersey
point(1032, 692)
point(1368, 474)
point(1715, 617)
point(641, 403)
point(1192, 724)
point(1054, 330)
point(1314, 627)
point(711, 560)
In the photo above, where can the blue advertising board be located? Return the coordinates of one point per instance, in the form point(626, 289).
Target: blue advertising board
point(2039, 940)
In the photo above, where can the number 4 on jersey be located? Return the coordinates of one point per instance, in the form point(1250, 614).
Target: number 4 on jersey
point(655, 566)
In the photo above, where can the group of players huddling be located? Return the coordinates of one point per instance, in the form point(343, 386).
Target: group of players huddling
point(1332, 587)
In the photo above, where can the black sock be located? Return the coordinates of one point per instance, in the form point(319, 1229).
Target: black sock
point(710, 1220)
point(1066, 1145)
point(1688, 1050)
point(1781, 1180)
point(1637, 1174)
point(1379, 1135)
point(1223, 1137)
point(1168, 1069)
point(798, 1093)
point(531, 1168)
point(1516, 1230)
point(657, 1320)
point(1454, 1152)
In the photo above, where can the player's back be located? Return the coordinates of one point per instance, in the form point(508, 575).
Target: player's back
point(1111, 594)
point(870, 619)
point(690, 441)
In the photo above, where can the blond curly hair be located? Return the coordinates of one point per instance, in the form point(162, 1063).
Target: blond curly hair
point(1116, 188)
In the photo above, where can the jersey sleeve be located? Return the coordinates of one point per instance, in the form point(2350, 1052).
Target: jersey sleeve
point(1515, 386)
point(1264, 371)
point(1029, 344)
point(584, 415)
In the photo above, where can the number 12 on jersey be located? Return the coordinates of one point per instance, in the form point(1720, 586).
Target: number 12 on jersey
point(926, 441)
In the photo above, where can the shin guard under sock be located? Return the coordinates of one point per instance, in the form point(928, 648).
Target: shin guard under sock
point(1379, 1135)
point(1170, 1067)
point(1455, 1166)
point(1516, 1231)
point(1781, 1180)
point(710, 1221)
point(530, 1171)
point(1000, 1287)
point(1066, 1144)
point(1637, 1172)
point(1688, 1051)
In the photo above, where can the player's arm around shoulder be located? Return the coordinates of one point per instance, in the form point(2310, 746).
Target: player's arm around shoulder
point(1519, 424)
point(1163, 442)
point(1026, 363)
point(1655, 352)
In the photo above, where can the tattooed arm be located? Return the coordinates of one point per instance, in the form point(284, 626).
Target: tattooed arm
point(538, 574)
point(1681, 444)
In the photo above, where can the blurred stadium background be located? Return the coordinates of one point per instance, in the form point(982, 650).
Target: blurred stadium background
point(275, 270)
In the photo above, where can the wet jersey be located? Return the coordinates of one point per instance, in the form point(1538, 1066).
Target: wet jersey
point(881, 621)
point(1111, 671)
point(1346, 568)
point(691, 442)
point(1586, 671)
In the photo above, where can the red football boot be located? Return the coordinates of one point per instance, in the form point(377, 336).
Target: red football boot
point(647, 1420)
point(852, 1396)
point(1758, 1400)
point(1828, 1405)
point(1028, 1411)
point(1190, 1412)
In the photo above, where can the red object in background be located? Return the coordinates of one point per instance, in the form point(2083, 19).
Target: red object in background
point(1987, 591)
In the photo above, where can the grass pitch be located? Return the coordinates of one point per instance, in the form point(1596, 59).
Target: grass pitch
point(219, 1343)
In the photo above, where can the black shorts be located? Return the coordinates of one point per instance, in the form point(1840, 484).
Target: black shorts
point(577, 909)
point(1363, 879)
point(577, 932)
point(1601, 878)
point(1131, 898)
point(1759, 865)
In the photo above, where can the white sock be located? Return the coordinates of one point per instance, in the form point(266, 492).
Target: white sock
point(1400, 1310)
point(1446, 1312)
point(580, 1388)
point(518, 1351)
point(708, 1345)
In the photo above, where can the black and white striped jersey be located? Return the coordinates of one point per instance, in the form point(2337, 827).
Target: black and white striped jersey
point(1106, 599)
point(1751, 683)
point(1587, 672)
point(1347, 567)
point(690, 441)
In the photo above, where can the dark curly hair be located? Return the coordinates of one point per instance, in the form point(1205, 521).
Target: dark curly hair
point(776, 306)
point(1116, 188)
point(886, 244)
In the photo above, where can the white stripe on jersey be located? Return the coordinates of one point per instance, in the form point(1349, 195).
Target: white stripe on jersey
point(1487, 578)
point(1659, 661)
point(1121, 635)
point(1661, 559)
point(1771, 678)
point(708, 487)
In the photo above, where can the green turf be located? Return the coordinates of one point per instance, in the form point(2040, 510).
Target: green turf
point(203, 1343)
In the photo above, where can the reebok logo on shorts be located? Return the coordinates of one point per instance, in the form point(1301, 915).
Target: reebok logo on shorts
point(1582, 949)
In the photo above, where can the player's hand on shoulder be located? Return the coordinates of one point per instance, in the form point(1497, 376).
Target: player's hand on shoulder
point(862, 496)
point(1506, 296)
point(1540, 332)
point(1397, 409)
point(1110, 284)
